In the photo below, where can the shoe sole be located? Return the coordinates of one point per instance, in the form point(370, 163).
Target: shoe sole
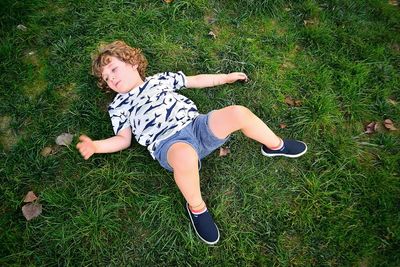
point(285, 155)
point(194, 227)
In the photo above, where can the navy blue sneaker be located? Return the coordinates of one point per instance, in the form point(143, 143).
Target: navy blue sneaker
point(204, 226)
point(290, 148)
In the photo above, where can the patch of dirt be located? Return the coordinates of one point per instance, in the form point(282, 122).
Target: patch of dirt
point(7, 137)
point(38, 83)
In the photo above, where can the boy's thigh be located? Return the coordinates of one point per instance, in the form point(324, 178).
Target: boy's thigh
point(179, 148)
point(207, 141)
point(223, 122)
point(182, 155)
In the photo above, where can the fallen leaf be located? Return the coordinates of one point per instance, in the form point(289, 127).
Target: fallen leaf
point(46, 151)
point(282, 125)
point(31, 210)
point(64, 139)
point(293, 102)
point(388, 123)
point(289, 101)
point(393, 2)
point(30, 197)
point(372, 127)
point(298, 103)
point(21, 27)
point(168, 1)
point(224, 151)
point(212, 35)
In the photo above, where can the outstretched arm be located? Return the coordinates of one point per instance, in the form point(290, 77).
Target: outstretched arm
point(87, 147)
point(210, 80)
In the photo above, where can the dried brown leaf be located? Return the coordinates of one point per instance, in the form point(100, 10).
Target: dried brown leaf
point(46, 151)
point(298, 103)
point(168, 1)
point(293, 102)
point(224, 151)
point(393, 2)
point(64, 139)
point(31, 210)
point(289, 101)
point(372, 127)
point(282, 125)
point(30, 197)
point(388, 123)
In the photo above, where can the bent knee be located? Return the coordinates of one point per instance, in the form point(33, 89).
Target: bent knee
point(240, 113)
point(182, 156)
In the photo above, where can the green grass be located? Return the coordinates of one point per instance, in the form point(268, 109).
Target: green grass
point(336, 206)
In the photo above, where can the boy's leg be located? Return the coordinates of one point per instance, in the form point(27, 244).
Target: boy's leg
point(227, 120)
point(184, 161)
point(230, 119)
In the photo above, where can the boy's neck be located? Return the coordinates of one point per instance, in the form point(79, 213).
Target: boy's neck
point(138, 81)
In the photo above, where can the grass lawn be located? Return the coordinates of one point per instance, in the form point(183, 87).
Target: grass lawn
point(338, 205)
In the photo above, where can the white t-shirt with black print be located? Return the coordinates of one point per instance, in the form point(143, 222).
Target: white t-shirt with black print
point(153, 110)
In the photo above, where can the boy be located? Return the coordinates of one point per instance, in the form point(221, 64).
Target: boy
point(171, 127)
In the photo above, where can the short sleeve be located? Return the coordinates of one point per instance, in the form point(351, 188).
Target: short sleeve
point(119, 119)
point(175, 81)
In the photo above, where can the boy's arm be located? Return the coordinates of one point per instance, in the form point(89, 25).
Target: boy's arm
point(87, 147)
point(209, 80)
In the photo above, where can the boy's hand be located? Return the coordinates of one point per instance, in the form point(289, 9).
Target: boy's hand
point(236, 76)
point(86, 147)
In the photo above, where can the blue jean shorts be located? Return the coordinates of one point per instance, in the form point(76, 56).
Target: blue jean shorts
point(197, 134)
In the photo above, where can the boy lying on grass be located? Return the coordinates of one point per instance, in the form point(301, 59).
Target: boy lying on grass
point(170, 126)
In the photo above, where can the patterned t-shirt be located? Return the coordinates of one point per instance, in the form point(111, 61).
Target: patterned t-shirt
point(153, 110)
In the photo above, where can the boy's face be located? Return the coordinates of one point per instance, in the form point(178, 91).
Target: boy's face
point(121, 77)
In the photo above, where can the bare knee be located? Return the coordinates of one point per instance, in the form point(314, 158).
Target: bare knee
point(240, 113)
point(182, 157)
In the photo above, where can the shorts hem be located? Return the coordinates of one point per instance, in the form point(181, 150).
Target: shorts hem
point(168, 146)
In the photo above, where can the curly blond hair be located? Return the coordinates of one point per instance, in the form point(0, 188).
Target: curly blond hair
point(123, 52)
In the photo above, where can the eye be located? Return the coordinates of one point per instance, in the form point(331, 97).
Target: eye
point(113, 70)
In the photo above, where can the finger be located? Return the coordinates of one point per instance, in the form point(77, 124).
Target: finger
point(83, 138)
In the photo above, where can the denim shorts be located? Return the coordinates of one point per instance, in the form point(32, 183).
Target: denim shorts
point(197, 134)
